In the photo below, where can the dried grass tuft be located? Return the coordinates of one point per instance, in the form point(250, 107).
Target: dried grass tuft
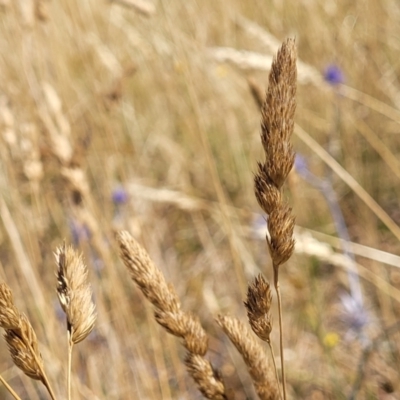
point(169, 315)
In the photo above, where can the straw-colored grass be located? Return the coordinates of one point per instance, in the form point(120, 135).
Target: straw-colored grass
point(137, 116)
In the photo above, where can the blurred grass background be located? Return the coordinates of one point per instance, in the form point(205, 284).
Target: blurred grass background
point(111, 118)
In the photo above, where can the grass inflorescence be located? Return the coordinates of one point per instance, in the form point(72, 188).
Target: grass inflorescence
point(130, 147)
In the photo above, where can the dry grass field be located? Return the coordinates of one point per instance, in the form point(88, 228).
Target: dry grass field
point(143, 117)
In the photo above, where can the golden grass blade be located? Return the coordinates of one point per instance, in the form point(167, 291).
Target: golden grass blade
point(9, 388)
point(370, 102)
point(144, 7)
point(391, 160)
point(349, 180)
point(356, 248)
point(20, 253)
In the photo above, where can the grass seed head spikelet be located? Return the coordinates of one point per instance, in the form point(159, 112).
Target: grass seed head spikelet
point(253, 355)
point(207, 378)
point(74, 293)
point(9, 315)
point(258, 305)
point(171, 317)
point(21, 342)
point(277, 124)
point(20, 336)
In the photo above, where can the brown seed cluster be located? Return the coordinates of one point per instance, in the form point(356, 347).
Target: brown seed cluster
point(277, 126)
point(258, 305)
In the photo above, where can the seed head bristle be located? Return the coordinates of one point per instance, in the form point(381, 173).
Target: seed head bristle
point(74, 293)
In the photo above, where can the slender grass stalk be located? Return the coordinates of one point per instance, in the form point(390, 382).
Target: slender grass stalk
point(44, 378)
point(9, 388)
point(271, 349)
point(70, 346)
point(278, 295)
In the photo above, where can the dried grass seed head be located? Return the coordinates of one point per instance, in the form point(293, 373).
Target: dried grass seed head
point(146, 275)
point(278, 111)
point(196, 339)
point(169, 315)
point(208, 380)
point(267, 194)
point(20, 336)
point(281, 224)
point(280, 103)
point(253, 355)
point(21, 342)
point(152, 283)
point(74, 293)
point(258, 305)
point(9, 315)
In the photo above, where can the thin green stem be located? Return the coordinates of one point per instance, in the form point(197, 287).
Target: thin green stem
point(278, 294)
point(9, 388)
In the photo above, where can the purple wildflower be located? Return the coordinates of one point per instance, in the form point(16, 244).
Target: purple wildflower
point(333, 75)
point(80, 232)
point(119, 196)
point(300, 164)
point(354, 316)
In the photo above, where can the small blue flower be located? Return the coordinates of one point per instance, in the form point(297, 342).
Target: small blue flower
point(354, 316)
point(79, 232)
point(333, 74)
point(300, 164)
point(119, 195)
